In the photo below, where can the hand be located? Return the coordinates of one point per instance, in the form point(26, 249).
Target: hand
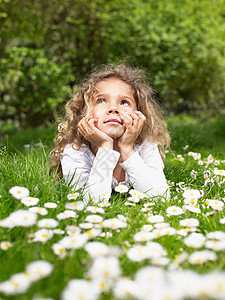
point(134, 122)
point(90, 132)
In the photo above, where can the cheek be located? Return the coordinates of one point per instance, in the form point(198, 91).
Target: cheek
point(96, 113)
point(128, 108)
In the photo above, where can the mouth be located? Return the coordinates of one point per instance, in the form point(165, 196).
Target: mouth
point(114, 121)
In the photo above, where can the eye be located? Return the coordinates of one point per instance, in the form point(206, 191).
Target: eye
point(125, 102)
point(100, 100)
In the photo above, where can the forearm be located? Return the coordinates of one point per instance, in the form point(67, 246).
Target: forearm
point(100, 178)
point(144, 178)
point(126, 153)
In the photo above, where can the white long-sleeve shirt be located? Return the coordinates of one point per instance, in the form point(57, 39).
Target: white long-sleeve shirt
point(143, 169)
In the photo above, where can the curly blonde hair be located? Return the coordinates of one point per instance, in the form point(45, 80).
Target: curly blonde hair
point(154, 129)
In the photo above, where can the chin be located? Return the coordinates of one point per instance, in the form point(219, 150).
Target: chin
point(114, 134)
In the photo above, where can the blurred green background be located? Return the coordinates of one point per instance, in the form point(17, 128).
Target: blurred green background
point(47, 47)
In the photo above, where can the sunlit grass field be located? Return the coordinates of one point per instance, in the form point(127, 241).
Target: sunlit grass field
point(139, 248)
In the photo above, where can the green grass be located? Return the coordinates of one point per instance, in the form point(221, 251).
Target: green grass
point(26, 167)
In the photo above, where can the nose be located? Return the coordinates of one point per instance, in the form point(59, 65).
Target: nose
point(113, 110)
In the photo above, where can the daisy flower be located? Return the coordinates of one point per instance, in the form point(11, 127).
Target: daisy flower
point(50, 205)
point(38, 210)
point(39, 269)
point(148, 227)
point(80, 289)
point(192, 208)
point(30, 201)
point(216, 204)
point(180, 157)
point(168, 231)
point(103, 284)
point(222, 221)
point(161, 261)
point(138, 253)
point(195, 240)
point(75, 205)
point(92, 233)
point(191, 194)
point(189, 201)
point(143, 236)
point(86, 225)
point(197, 156)
point(157, 233)
point(215, 245)
point(156, 219)
point(104, 204)
point(121, 217)
point(94, 219)
point(133, 199)
point(218, 235)
point(191, 222)
point(105, 267)
point(59, 250)
point(126, 288)
point(149, 275)
point(161, 225)
point(137, 194)
point(193, 174)
point(66, 214)
point(73, 196)
point(96, 249)
point(17, 284)
point(121, 188)
point(5, 245)
point(19, 218)
point(47, 223)
point(73, 230)
point(200, 257)
point(174, 211)
point(43, 235)
point(58, 231)
point(19, 192)
point(95, 209)
point(114, 223)
point(74, 241)
point(210, 159)
point(106, 234)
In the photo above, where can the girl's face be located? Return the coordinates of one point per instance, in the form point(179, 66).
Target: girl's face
point(113, 98)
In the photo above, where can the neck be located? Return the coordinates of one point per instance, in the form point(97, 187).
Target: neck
point(94, 148)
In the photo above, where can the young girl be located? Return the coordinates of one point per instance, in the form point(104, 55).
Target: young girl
point(112, 134)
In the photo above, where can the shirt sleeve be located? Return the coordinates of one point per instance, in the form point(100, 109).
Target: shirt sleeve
point(97, 178)
point(146, 172)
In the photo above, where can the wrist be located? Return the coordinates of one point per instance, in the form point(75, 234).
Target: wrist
point(126, 153)
point(106, 145)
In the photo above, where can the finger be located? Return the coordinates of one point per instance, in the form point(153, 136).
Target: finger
point(140, 114)
point(134, 116)
point(141, 119)
point(91, 123)
point(87, 118)
point(82, 132)
point(127, 119)
point(84, 127)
